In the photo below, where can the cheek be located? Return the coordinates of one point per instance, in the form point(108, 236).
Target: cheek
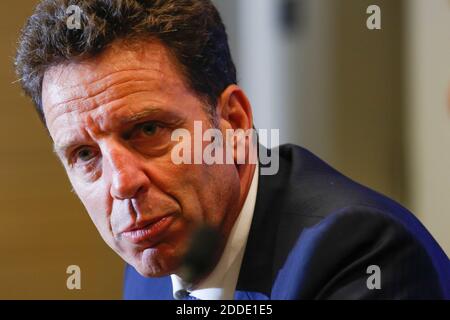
point(211, 191)
point(97, 202)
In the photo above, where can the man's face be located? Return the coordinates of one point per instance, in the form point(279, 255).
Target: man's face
point(111, 120)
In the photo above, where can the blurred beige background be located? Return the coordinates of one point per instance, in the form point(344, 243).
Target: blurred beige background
point(371, 103)
point(44, 229)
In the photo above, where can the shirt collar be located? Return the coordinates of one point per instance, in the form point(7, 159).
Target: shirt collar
point(221, 283)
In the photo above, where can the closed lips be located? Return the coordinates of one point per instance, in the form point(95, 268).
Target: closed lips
point(150, 232)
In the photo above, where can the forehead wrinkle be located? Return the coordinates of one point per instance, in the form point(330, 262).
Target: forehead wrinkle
point(102, 83)
point(108, 116)
point(125, 69)
point(93, 128)
point(89, 88)
point(119, 57)
point(97, 105)
point(114, 91)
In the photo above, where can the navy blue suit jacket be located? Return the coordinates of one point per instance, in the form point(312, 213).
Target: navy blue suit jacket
point(313, 236)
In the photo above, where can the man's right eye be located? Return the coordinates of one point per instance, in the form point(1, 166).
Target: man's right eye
point(84, 154)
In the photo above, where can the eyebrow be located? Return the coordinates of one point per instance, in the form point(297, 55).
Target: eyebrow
point(171, 117)
point(136, 117)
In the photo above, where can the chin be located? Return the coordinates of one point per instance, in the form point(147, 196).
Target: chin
point(151, 273)
point(152, 263)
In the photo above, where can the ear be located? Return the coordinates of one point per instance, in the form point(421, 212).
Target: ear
point(234, 113)
point(234, 110)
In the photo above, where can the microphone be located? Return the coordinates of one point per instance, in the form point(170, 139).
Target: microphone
point(202, 254)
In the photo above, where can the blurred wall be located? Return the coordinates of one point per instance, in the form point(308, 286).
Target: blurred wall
point(428, 131)
point(367, 96)
point(286, 67)
point(43, 227)
point(328, 83)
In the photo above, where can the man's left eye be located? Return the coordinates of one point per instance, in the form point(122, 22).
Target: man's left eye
point(149, 128)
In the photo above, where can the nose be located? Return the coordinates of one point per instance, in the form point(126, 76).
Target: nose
point(128, 177)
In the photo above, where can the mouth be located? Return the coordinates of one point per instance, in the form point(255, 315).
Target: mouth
point(151, 232)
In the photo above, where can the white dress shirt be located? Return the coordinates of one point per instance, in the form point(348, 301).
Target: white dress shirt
point(221, 283)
